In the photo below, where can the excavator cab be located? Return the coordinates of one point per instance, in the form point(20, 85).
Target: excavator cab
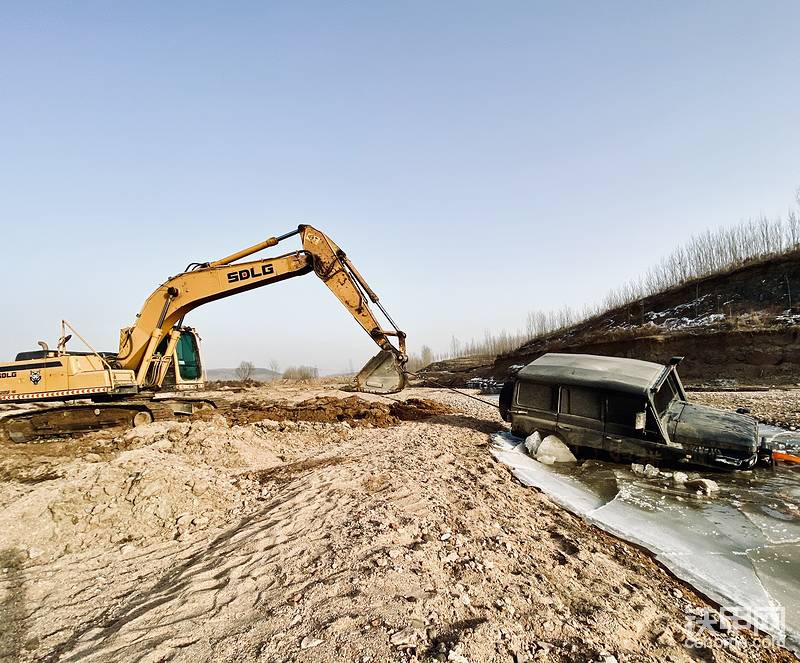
point(186, 367)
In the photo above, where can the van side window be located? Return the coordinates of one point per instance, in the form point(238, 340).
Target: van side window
point(537, 396)
point(583, 403)
point(621, 409)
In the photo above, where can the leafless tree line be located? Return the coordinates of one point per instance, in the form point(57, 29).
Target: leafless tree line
point(707, 253)
point(301, 373)
point(711, 252)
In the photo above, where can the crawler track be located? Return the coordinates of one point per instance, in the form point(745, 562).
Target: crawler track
point(31, 425)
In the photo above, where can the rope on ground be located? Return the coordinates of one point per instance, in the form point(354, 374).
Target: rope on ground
point(456, 391)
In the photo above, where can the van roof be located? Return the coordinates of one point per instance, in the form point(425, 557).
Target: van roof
point(612, 373)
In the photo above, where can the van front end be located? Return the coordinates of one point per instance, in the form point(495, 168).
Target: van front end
point(713, 437)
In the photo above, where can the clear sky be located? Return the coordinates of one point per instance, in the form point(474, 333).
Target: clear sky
point(475, 159)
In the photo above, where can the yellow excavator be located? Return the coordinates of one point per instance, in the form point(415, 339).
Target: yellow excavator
point(159, 356)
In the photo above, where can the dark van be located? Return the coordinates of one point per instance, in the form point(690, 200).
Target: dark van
point(629, 408)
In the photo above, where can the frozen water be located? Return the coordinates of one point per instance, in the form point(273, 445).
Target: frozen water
point(739, 548)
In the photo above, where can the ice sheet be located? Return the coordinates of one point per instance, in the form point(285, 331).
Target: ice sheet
point(739, 548)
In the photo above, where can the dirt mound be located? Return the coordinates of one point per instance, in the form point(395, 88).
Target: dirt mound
point(354, 411)
point(165, 480)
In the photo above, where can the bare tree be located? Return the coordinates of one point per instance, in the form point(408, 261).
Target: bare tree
point(275, 367)
point(245, 371)
point(427, 355)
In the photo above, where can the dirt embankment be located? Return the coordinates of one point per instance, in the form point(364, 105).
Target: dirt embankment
point(318, 541)
point(723, 358)
point(737, 328)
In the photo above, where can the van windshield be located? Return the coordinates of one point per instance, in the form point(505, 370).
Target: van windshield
point(666, 395)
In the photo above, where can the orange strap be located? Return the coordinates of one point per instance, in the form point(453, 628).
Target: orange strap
point(778, 455)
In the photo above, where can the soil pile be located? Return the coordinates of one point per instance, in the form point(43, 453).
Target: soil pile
point(162, 480)
point(354, 411)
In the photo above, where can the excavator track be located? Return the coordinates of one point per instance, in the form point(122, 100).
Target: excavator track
point(24, 426)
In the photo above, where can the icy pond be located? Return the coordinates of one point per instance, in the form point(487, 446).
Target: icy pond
point(740, 547)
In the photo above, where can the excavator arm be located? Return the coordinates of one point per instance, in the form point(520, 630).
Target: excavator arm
point(164, 310)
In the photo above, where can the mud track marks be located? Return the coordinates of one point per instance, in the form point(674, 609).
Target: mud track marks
point(219, 589)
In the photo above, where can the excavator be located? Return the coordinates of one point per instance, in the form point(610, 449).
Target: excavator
point(159, 357)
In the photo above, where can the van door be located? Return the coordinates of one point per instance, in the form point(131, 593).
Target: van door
point(580, 417)
point(622, 437)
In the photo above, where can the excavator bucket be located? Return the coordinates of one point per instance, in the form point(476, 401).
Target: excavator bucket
point(381, 375)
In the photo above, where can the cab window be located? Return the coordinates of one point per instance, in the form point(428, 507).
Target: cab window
point(537, 396)
point(188, 358)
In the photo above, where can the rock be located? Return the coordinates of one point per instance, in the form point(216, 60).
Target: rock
point(680, 478)
point(309, 642)
point(33, 553)
point(183, 519)
point(546, 460)
point(647, 471)
point(92, 458)
point(404, 638)
point(554, 448)
point(650, 472)
point(703, 486)
point(455, 657)
point(200, 486)
point(665, 638)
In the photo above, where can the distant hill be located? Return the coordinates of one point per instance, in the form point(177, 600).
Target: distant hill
point(227, 374)
point(736, 327)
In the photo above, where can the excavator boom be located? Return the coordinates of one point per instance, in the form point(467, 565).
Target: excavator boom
point(165, 309)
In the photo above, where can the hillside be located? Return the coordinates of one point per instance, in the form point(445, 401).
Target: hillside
point(739, 327)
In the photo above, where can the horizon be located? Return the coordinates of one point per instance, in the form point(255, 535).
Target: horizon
point(475, 162)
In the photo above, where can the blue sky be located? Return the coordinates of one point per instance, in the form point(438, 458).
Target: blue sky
point(475, 159)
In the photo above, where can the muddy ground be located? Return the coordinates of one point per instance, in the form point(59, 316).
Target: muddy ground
point(306, 524)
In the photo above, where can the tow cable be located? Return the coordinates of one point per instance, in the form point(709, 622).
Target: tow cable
point(456, 391)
